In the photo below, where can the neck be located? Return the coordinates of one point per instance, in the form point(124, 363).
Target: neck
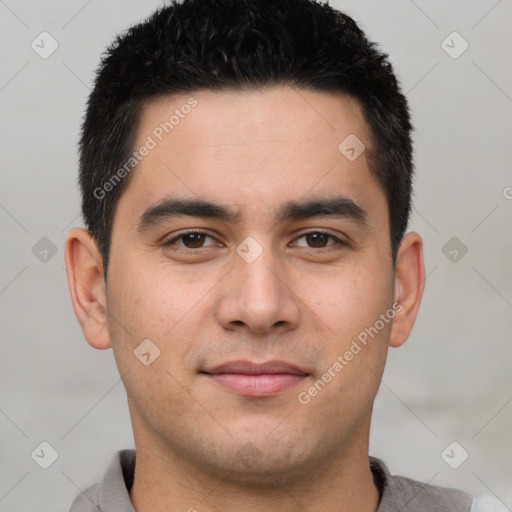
point(163, 481)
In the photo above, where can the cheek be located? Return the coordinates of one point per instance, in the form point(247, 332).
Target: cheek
point(355, 339)
point(146, 307)
point(349, 299)
point(148, 299)
point(159, 304)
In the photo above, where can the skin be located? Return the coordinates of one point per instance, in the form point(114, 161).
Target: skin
point(299, 301)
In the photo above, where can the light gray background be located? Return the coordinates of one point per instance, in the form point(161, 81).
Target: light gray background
point(450, 382)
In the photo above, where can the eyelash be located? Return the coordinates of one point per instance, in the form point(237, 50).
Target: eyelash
point(197, 232)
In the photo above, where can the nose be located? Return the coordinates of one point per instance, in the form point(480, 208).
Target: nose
point(256, 295)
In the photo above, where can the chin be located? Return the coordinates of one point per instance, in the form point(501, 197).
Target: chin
point(265, 472)
point(263, 463)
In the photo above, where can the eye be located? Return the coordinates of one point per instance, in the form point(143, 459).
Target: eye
point(189, 240)
point(318, 240)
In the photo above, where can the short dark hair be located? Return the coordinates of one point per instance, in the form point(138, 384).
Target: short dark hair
point(238, 44)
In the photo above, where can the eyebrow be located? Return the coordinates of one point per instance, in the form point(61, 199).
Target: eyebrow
point(338, 206)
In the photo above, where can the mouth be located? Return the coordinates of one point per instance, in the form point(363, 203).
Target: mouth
point(256, 380)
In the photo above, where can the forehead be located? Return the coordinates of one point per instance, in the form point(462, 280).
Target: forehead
point(253, 149)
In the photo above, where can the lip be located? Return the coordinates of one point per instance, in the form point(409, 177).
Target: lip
point(256, 379)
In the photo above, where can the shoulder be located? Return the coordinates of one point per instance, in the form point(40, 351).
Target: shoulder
point(407, 495)
point(87, 501)
point(112, 492)
point(420, 496)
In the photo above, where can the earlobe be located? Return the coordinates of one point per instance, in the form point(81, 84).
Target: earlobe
point(84, 268)
point(409, 286)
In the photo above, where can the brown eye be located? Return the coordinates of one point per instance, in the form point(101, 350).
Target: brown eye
point(193, 240)
point(318, 240)
point(190, 240)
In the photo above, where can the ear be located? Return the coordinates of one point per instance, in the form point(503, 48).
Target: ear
point(84, 267)
point(409, 286)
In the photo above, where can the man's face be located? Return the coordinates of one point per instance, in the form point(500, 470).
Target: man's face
point(262, 287)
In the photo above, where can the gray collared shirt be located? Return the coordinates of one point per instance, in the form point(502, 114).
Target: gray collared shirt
point(397, 493)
